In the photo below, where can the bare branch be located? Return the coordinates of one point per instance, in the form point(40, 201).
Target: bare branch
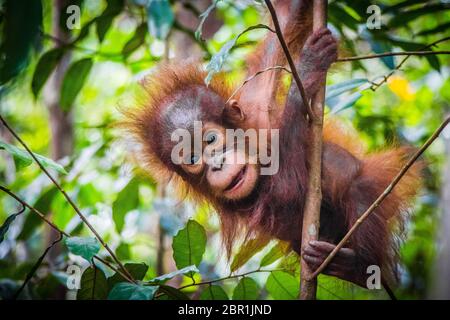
point(375, 86)
point(311, 210)
point(390, 54)
point(289, 57)
point(36, 265)
point(254, 76)
point(69, 200)
point(380, 199)
point(56, 228)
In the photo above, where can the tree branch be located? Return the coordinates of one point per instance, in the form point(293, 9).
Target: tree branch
point(69, 200)
point(311, 210)
point(254, 76)
point(289, 57)
point(380, 199)
point(56, 228)
point(375, 86)
point(390, 54)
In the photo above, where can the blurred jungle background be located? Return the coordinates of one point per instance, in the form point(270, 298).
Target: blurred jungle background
point(67, 65)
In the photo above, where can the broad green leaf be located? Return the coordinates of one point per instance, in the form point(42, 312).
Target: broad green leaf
point(283, 286)
point(203, 16)
point(73, 82)
point(136, 41)
point(277, 252)
point(247, 250)
point(170, 275)
point(340, 88)
point(381, 47)
point(123, 251)
point(20, 31)
point(346, 102)
point(218, 60)
point(44, 68)
point(126, 201)
point(246, 289)
point(93, 285)
point(189, 245)
point(105, 20)
point(173, 293)
point(130, 291)
point(84, 247)
point(160, 18)
point(213, 293)
point(24, 159)
point(137, 270)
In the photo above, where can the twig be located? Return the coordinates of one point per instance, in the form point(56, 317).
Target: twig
point(227, 278)
point(56, 228)
point(289, 58)
point(31, 273)
point(36, 211)
point(254, 76)
point(69, 200)
point(380, 199)
point(375, 86)
point(390, 54)
point(311, 210)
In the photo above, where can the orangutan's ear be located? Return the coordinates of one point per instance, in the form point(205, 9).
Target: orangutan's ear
point(233, 111)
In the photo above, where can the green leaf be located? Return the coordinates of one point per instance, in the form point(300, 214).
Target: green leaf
point(105, 20)
point(277, 252)
point(160, 18)
point(403, 18)
point(123, 251)
point(173, 293)
point(73, 82)
point(381, 47)
point(246, 289)
point(346, 102)
point(127, 200)
point(213, 293)
point(136, 41)
point(283, 286)
point(248, 250)
point(440, 28)
point(189, 245)
point(24, 159)
point(203, 16)
point(93, 285)
point(84, 247)
point(170, 275)
point(20, 31)
point(340, 88)
point(137, 270)
point(44, 68)
point(131, 291)
point(5, 226)
point(218, 60)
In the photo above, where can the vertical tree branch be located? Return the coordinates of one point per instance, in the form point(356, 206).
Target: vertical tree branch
point(289, 59)
point(311, 211)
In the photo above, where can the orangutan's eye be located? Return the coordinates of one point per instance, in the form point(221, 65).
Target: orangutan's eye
point(211, 138)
